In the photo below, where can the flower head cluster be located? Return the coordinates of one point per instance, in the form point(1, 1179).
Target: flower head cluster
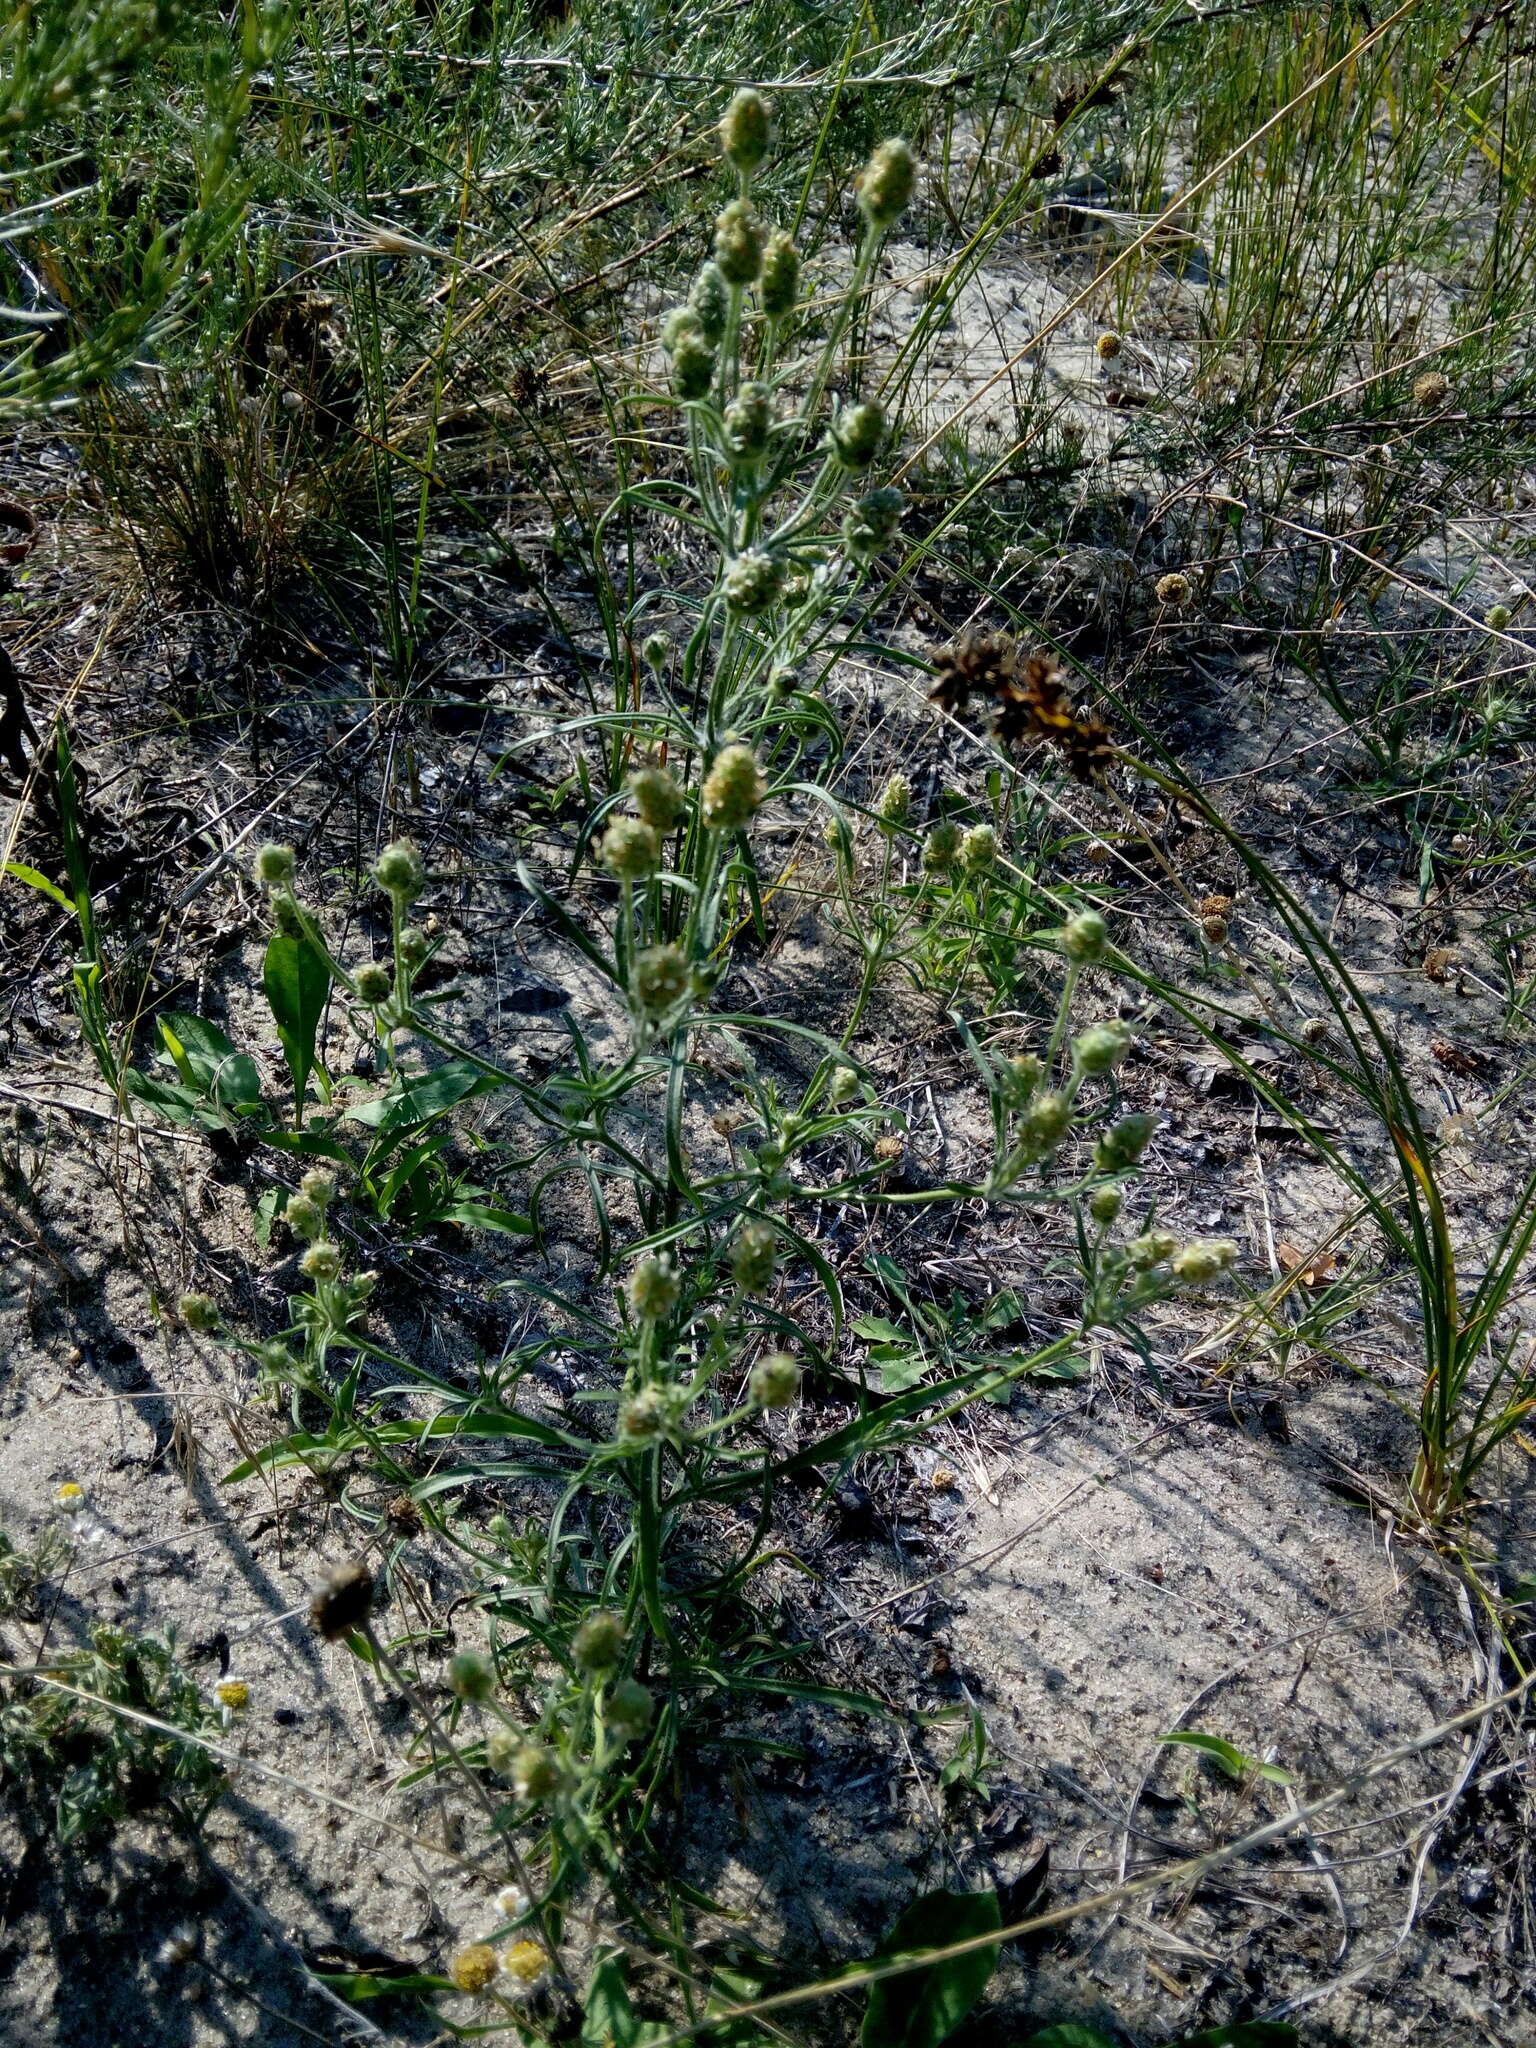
point(733, 789)
point(753, 580)
point(746, 130)
point(779, 285)
point(740, 240)
point(886, 184)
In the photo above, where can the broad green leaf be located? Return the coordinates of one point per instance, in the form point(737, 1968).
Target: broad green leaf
point(609, 2019)
point(922, 2007)
point(900, 1370)
point(268, 1209)
point(1070, 2034)
point(878, 1329)
point(206, 1060)
point(419, 1098)
point(297, 980)
point(1228, 1757)
point(180, 1104)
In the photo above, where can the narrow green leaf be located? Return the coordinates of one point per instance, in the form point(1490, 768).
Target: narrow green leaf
point(1241, 2034)
point(35, 880)
point(1236, 1763)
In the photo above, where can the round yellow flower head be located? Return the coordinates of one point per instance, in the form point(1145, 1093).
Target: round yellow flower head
point(524, 1962)
point(474, 1969)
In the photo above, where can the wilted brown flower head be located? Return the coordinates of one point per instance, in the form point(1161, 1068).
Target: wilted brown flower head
point(344, 1602)
point(979, 663)
point(1030, 698)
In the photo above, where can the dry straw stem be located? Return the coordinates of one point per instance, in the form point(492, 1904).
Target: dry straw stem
point(1132, 249)
point(1188, 1872)
point(1333, 540)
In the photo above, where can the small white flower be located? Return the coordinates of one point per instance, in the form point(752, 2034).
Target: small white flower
point(233, 1695)
point(73, 1503)
point(512, 1902)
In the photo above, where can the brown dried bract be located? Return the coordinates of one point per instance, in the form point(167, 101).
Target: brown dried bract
point(1459, 1059)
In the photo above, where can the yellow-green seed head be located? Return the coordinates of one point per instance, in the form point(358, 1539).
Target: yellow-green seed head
point(774, 1381)
point(682, 324)
point(893, 806)
point(535, 1772)
point(843, 1087)
point(941, 849)
point(1104, 1204)
point(709, 301)
point(200, 1312)
point(1046, 1120)
point(653, 1287)
point(471, 1675)
point(643, 1417)
point(779, 285)
point(1020, 1078)
point(752, 581)
point(660, 978)
point(631, 849)
point(872, 521)
point(1123, 1143)
point(1101, 1048)
point(1152, 1248)
point(753, 1254)
point(886, 183)
point(978, 849)
point(321, 1263)
point(1084, 938)
point(693, 368)
point(733, 790)
point(857, 433)
point(318, 1187)
point(656, 797)
point(628, 1709)
point(598, 1643)
point(747, 420)
point(375, 984)
point(740, 239)
point(399, 870)
point(304, 1216)
point(746, 130)
point(1203, 1259)
point(275, 866)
